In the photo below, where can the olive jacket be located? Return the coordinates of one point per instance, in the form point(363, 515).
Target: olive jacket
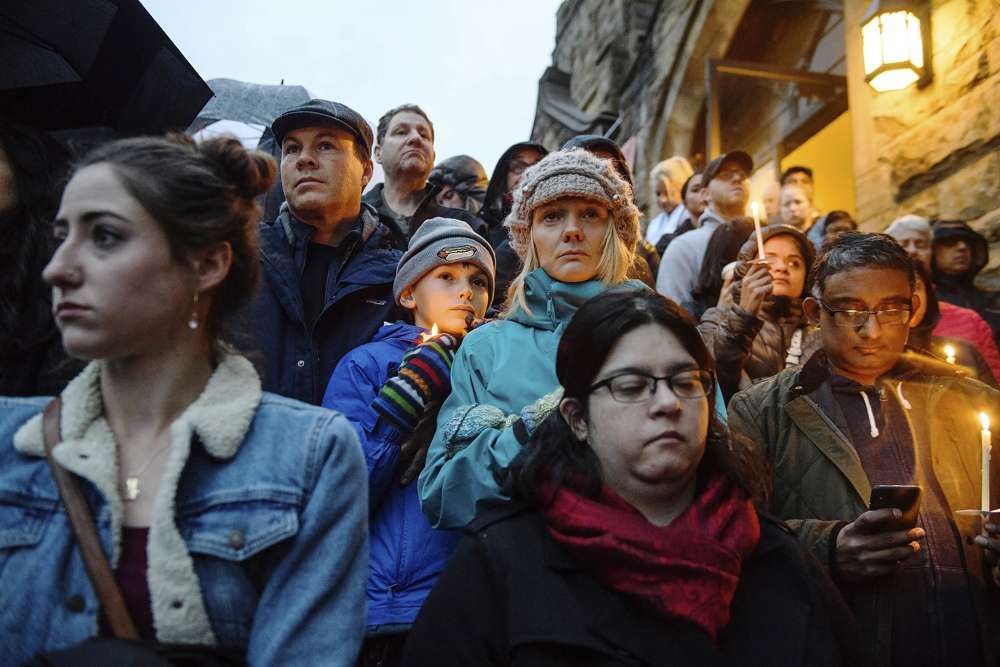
point(819, 485)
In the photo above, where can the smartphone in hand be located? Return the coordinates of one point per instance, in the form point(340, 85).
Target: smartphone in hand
point(904, 497)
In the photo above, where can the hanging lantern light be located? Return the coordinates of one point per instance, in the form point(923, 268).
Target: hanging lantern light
point(894, 43)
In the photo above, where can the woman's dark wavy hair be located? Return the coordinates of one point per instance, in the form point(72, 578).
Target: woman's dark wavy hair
point(554, 452)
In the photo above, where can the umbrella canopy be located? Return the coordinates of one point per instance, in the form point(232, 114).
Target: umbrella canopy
point(248, 134)
point(249, 103)
point(94, 63)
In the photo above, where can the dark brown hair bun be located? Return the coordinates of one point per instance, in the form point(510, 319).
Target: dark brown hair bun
point(251, 172)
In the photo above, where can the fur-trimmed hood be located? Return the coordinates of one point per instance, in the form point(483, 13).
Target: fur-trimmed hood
point(218, 419)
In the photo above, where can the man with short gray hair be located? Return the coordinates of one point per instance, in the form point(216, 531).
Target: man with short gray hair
point(913, 232)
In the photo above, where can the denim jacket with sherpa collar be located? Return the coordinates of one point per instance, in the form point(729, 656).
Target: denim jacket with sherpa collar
point(257, 540)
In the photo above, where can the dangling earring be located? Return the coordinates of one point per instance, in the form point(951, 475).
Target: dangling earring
point(193, 322)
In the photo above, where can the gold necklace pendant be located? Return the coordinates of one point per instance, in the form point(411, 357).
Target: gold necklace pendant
point(131, 488)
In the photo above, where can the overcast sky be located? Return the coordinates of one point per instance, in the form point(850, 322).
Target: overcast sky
point(472, 65)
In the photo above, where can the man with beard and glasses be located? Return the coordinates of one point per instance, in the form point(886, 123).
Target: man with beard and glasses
point(405, 149)
point(859, 413)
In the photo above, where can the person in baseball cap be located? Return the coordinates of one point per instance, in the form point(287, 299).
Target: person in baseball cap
point(727, 179)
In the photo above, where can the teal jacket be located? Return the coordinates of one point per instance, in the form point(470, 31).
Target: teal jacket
point(500, 369)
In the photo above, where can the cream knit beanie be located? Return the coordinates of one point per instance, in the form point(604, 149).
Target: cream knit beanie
point(571, 173)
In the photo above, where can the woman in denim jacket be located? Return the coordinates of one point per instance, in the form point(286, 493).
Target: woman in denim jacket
point(231, 517)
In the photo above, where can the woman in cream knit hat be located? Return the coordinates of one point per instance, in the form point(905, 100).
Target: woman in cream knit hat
point(574, 226)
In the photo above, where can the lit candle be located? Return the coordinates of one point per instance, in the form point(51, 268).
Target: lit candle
point(949, 354)
point(985, 441)
point(755, 208)
point(424, 337)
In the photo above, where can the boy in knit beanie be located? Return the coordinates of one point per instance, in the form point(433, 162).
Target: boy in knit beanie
point(391, 385)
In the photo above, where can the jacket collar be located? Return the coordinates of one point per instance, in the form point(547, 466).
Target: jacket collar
point(220, 416)
point(551, 303)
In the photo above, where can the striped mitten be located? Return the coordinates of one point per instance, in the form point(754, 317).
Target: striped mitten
point(424, 377)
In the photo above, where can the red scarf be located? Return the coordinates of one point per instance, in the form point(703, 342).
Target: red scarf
point(689, 569)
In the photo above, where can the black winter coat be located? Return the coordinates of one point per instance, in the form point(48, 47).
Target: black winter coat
point(427, 209)
point(511, 596)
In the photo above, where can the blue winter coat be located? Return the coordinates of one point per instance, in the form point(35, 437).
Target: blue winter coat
point(298, 361)
point(407, 555)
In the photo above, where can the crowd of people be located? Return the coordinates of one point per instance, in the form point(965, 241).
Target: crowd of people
point(454, 419)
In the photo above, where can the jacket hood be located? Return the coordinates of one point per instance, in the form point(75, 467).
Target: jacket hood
point(494, 205)
point(398, 331)
point(553, 303)
point(956, 229)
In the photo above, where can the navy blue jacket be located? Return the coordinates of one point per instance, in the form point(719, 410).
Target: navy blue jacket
point(298, 362)
point(407, 555)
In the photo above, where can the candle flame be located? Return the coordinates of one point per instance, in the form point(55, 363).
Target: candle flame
point(755, 207)
point(984, 419)
point(424, 337)
point(949, 352)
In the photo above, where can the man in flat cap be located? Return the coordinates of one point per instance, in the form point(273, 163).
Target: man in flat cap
point(327, 263)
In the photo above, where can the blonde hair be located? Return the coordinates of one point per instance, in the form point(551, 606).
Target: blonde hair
point(616, 259)
point(676, 169)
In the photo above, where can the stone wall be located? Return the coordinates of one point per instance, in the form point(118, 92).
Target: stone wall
point(934, 151)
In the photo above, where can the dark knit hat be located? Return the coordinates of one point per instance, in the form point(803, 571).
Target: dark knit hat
point(441, 241)
point(572, 173)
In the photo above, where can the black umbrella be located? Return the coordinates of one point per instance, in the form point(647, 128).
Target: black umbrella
point(94, 63)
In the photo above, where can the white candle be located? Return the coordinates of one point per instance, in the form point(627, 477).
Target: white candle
point(755, 208)
point(985, 442)
point(949, 354)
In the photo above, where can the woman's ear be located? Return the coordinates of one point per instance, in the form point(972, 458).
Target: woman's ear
point(212, 264)
point(571, 411)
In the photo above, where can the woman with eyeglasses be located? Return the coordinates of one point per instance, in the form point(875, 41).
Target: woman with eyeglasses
point(634, 539)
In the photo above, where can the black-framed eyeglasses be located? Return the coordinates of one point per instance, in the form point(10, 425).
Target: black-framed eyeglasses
point(639, 387)
point(847, 317)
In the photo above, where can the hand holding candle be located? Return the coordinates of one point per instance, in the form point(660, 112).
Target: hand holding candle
point(755, 209)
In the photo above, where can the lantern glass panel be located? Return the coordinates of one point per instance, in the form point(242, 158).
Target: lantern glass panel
point(893, 79)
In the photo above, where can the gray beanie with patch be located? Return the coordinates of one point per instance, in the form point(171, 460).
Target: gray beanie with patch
point(441, 241)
